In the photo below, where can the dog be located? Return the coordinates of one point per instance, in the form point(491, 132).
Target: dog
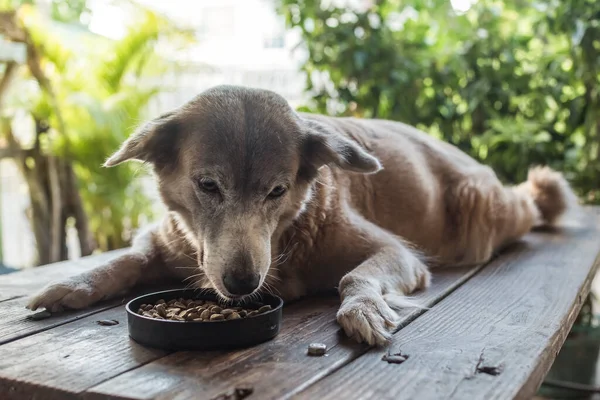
point(261, 197)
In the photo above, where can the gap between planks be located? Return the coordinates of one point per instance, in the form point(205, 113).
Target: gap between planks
point(10, 298)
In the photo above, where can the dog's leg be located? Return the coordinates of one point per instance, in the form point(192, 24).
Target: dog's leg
point(142, 264)
point(374, 292)
point(487, 216)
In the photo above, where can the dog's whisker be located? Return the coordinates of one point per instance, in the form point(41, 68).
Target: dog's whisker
point(287, 244)
point(189, 285)
point(283, 257)
point(187, 267)
point(192, 277)
point(191, 258)
point(271, 289)
point(272, 276)
point(284, 260)
point(176, 239)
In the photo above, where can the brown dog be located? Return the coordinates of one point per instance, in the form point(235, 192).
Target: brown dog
point(262, 197)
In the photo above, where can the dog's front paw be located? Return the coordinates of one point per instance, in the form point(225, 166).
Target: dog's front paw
point(71, 294)
point(367, 319)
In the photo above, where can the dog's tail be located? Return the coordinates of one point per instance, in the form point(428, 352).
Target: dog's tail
point(551, 194)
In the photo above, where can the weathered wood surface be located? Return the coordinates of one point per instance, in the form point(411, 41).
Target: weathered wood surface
point(16, 322)
point(494, 337)
point(64, 361)
point(36, 364)
point(514, 313)
point(274, 369)
point(26, 282)
point(16, 288)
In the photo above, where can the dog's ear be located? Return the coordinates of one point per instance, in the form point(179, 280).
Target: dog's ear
point(322, 145)
point(154, 142)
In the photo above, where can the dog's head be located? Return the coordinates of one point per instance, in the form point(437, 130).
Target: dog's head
point(236, 165)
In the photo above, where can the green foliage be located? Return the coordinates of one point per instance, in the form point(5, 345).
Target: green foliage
point(103, 98)
point(61, 10)
point(102, 93)
point(513, 83)
point(133, 47)
point(68, 10)
point(8, 5)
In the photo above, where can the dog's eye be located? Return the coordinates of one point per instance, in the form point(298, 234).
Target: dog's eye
point(277, 191)
point(208, 185)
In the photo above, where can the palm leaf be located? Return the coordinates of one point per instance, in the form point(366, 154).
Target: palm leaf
point(126, 51)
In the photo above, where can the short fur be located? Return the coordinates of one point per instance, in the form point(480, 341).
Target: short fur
point(344, 222)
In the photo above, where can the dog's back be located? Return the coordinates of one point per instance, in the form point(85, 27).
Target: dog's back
point(432, 194)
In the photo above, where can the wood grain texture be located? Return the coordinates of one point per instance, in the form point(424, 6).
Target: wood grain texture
point(26, 282)
point(495, 337)
point(15, 322)
point(14, 317)
point(274, 369)
point(64, 361)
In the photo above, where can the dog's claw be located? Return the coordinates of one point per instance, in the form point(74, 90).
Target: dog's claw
point(367, 320)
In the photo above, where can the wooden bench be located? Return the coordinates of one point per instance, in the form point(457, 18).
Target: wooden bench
point(491, 332)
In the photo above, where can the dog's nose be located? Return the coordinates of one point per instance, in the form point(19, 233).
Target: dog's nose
point(241, 279)
point(240, 284)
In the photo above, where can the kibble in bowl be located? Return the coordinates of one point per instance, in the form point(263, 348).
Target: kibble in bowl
point(200, 310)
point(192, 320)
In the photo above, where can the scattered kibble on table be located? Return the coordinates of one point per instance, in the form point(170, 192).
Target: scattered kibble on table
point(198, 310)
point(107, 322)
point(396, 358)
point(317, 349)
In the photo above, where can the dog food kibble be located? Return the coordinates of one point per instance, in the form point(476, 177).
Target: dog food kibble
point(198, 310)
point(107, 322)
point(264, 309)
point(161, 309)
point(227, 312)
point(317, 349)
point(233, 315)
point(217, 317)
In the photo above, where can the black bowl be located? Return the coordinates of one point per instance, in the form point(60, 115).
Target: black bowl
point(190, 335)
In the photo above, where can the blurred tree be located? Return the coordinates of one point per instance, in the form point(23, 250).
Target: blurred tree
point(60, 10)
point(68, 10)
point(513, 83)
point(85, 103)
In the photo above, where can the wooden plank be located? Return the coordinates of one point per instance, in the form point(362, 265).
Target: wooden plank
point(64, 361)
point(273, 369)
point(15, 321)
point(494, 337)
point(2, 299)
point(16, 288)
point(61, 362)
point(26, 282)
